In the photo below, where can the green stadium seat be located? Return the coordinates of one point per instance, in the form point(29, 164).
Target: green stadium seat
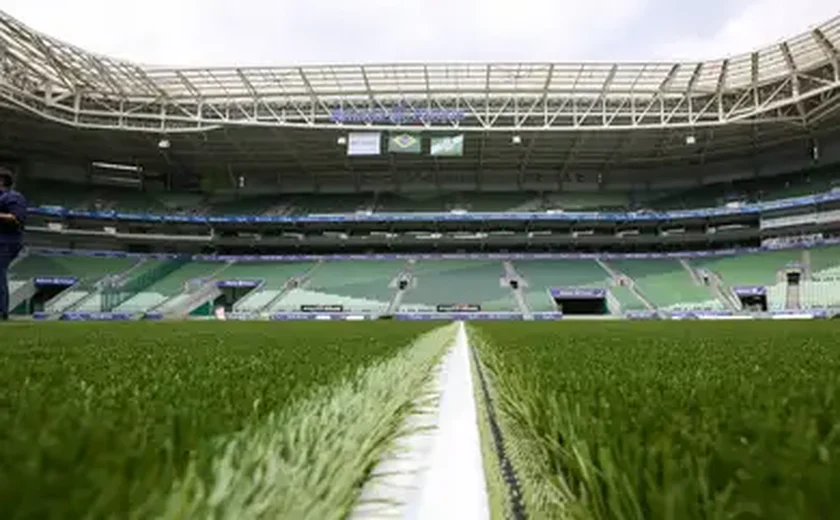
point(85, 268)
point(274, 276)
point(169, 286)
point(295, 298)
point(626, 298)
point(750, 269)
point(356, 285)
point(542, 275)
point(331, 204)
point(819, 294)
point(586, 200)
point(459, 281)
point(825, 261)
point(666, 284)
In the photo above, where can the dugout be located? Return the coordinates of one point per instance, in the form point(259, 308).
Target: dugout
point(752, 298)
point(572, 301)
point(233, 291)
point(45, 289)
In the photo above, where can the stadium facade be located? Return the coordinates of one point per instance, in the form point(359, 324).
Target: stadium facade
point(538, 178)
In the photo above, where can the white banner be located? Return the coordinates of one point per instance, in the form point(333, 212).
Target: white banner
point(364, 143)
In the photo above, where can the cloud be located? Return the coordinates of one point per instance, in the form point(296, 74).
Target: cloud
point(214, 32)
point(757, 24)
point(282, 32)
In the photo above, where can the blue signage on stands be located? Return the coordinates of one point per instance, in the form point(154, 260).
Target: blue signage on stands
point(750, 290)
point(457, 316)
point(575, 293)
point(547, 316)
point(96, 316)
point(60, 281)
point(238, 283)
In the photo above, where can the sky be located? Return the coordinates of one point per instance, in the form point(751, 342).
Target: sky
point(281, 32)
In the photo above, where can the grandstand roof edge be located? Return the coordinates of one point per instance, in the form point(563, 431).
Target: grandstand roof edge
point(814, 48)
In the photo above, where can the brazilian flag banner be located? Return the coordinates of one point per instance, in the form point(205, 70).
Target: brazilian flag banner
point(404, 143)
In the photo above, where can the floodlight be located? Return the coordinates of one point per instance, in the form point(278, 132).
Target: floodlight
point(516, 139)
point(164, 144)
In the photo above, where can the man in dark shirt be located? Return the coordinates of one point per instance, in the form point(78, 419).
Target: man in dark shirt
point(12, 220)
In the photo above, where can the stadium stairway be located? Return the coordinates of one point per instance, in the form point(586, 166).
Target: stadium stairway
point(723, 293)
point(766, 268)
point(537, 277)
point(167, 286)
point(666, 285)
point(819, 287)
point(365, 286)
point(806, 264)
point(624, 289)
point(511, 275)
point(114, 291)
point(275, 279)
point(401, 284)
point(76, 297)
point(626, 299)
point(88, 270)
point(297, 281)
point(196, 293)
point(695, 278)
point(20, 291)
point(824, 262)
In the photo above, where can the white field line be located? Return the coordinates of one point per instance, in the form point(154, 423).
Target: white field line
point(436, 472)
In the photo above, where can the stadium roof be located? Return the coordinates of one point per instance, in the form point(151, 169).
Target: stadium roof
point(63, 82)
point(281, 126)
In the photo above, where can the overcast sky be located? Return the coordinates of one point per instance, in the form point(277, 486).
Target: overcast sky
point(281, 32)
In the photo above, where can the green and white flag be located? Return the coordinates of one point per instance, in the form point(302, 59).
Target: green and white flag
point(404, 143)
point(452, 146)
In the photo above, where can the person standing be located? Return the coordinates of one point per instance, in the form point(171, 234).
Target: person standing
point(12, 220)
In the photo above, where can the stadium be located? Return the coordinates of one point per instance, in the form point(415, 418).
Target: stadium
point(432, 199)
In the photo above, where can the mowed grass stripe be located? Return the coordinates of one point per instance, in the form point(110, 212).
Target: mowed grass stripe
point(310, 461)
point(665, 420)
point(95, 418)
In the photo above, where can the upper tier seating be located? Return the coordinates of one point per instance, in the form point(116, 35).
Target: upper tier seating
point(79, 196)
point(795, 184)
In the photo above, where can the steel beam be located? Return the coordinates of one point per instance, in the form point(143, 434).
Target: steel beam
point(61, 83)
